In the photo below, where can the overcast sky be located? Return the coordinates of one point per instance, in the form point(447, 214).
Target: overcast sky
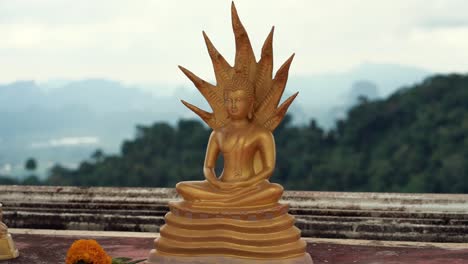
point(143, 41)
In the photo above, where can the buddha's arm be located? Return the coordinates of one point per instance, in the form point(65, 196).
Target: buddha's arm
point(268, 155)
point(212, 152)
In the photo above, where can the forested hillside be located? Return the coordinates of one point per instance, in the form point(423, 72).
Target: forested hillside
point(416, 140)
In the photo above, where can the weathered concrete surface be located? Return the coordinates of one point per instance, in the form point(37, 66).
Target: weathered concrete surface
point(50, 246)
point(375, 216)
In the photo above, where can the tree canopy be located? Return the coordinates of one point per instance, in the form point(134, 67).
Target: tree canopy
point(416, 140)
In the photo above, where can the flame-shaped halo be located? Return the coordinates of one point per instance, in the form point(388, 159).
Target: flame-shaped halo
point(268, 91)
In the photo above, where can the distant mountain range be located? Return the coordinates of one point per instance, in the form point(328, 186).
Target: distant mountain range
point(65, 121)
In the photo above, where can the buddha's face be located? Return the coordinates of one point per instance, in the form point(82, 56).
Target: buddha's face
point(238, 104)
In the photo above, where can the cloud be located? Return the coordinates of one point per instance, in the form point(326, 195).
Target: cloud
point(445, 23)
point(143, 41)
point(66, 142)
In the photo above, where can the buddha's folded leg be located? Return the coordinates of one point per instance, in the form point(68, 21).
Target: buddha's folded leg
point(200, 191)
point(261, 193)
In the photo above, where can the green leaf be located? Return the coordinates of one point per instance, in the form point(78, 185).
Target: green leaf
point(119, 261)
point(136, 261)
point(122, 259)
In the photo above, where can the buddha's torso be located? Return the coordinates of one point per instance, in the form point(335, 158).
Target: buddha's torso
point(238, 147)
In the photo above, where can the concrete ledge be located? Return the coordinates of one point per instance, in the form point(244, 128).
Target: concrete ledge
point(373, 216)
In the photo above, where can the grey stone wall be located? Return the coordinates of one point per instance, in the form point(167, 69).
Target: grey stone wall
point(379, 216)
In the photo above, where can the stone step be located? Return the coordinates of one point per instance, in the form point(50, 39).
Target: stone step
point(86, 205)
point(418, 237)
point(96, 211)
point(379, 213)
point(104, 222)
point(384, 231)
point(322, 227)
point(132, 209)
point(386, 220)
point(380, 227)
point(426, 218)
point(385, 216)
point(323, 200)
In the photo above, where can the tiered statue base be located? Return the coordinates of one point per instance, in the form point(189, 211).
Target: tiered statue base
point(7, 248)
point(263, 234)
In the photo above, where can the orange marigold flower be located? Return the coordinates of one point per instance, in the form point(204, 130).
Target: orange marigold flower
point(88, 251)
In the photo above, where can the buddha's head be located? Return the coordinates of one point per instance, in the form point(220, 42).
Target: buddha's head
point(239, 99)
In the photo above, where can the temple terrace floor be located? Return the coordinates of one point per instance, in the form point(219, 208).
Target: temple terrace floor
point(50, 246)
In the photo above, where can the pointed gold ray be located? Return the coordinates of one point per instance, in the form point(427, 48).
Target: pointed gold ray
point(212, 94)
point(269, 104)
point(265, 69)
point(276, 119)
point(283, 108)
point(267, 49)
point(214, 97)
point(199, 82)
point(206, 116)
point(281, 77)
point(245, 59)
point(222, 69)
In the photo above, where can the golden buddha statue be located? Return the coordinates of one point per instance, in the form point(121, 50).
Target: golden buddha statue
point(240, 141)
point(236, 217)
point(7, 246)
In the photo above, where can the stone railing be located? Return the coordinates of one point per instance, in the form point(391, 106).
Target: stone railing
point(378, 216)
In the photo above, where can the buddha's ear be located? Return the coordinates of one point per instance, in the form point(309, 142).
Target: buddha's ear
point(251, 104)
point(251, 109)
